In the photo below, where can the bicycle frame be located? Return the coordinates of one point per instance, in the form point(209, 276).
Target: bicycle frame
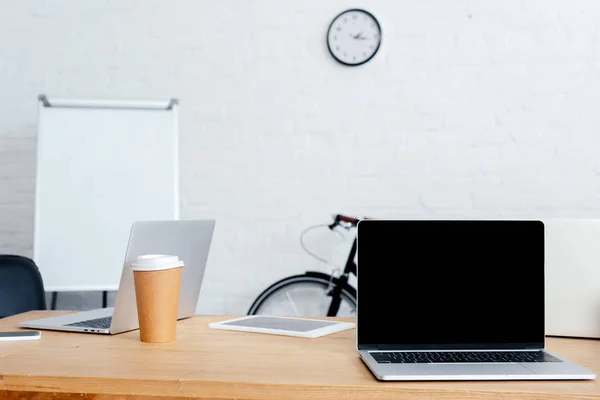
point(350, 268)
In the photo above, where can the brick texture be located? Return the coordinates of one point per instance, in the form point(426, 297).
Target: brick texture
point(471, 108)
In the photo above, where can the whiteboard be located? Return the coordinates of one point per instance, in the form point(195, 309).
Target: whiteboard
point(101, 165)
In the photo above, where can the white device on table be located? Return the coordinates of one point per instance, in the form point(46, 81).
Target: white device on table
point(455, 300)
point(573, 277)
point(190, 240)
point(287, 326)
point(20, 335)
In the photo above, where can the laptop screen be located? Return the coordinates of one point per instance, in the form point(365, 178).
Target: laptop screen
point(450, 284)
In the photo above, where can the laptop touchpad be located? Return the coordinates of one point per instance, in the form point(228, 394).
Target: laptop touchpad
point(459, 371)
point(477, 369)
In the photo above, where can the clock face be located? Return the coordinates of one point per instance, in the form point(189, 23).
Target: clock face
point(354, 37)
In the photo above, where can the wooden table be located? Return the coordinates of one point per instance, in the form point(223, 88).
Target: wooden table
point(213, 364)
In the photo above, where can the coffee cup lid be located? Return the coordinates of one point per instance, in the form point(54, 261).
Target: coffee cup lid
point(156, 262)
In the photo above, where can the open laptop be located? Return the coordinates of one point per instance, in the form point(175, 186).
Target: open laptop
point(573, 277)
point(188, 239)
point(454, 300)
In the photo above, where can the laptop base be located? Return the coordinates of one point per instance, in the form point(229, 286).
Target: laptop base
point(565, 370)
point(61, 323)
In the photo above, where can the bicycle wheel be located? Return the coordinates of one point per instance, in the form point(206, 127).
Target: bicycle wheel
point(303, 296)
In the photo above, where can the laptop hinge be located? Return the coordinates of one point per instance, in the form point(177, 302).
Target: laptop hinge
point(516, 346)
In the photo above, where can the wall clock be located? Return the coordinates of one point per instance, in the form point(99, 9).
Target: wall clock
point(353, 37)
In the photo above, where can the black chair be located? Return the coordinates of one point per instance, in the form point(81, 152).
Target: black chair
point(21, 286)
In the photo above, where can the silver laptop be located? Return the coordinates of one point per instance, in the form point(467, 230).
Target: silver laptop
point(188, 239)
point(573, 277)
point(454, 300)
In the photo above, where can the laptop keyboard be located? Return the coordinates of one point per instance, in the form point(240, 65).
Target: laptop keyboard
point(440, 357)
point(98, 323)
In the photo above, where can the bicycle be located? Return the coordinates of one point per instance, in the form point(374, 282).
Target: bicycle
point(309, 294)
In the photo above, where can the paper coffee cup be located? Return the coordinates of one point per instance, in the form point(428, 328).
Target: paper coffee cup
point(157, 281)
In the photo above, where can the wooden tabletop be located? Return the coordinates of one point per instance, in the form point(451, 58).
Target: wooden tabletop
point(213, 364)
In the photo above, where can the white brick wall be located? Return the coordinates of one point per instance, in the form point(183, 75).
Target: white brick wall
point(474, 108)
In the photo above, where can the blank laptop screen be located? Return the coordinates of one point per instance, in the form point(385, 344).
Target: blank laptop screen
point(450, 284)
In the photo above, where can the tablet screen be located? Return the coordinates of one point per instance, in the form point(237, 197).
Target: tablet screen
point(284, 324)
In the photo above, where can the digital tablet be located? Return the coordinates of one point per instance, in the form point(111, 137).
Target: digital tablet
point(287, 326)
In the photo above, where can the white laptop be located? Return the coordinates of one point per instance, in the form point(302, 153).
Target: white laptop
point(573, 277)
point(455, 300)
point(188, 239)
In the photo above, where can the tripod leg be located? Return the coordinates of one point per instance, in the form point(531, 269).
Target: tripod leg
point(104, 299)
point(54, 299)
